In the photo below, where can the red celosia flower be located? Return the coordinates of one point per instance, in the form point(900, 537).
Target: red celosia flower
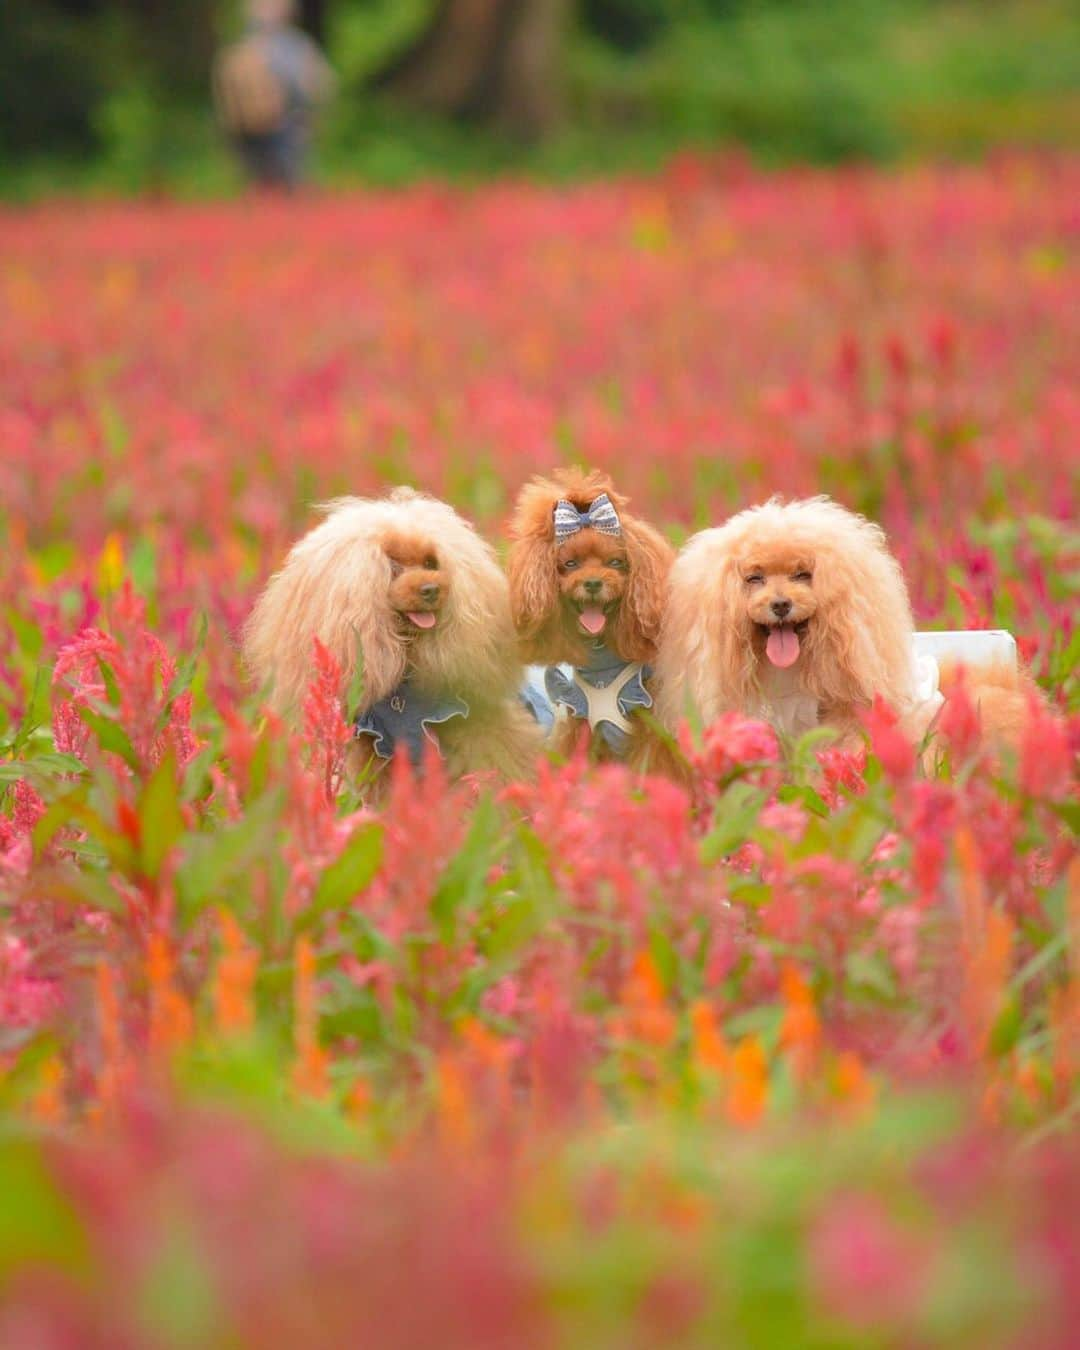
point(892, 747)
point(325, 726)
point(1047, 760)
point(731, 746)
point(959, 724)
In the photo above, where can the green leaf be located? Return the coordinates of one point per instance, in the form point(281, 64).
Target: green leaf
point(1045, 956)
point(213, 862)
point(804, 751)
point(142, 565)
point(515, 926)
point(872, 974)
point(110, 735)
point(43, 767)
point(464, 879)
point(532, 869)
point(185, 671)
point(176, 1296)
point(54, 762)
point(28, 635)
point(737, 811)
point(56, 816)
point(108, 676)
point(37, 710)
point(803, 796)
point(355, 692)
point(160, 818)
point(84, 886)
point(1007, 1028)
point(73, 809)
point(663, 952)
point(1068, 660)
point(863, 836)
point(347, 876)
point(1069, 813)
point(37, 1225)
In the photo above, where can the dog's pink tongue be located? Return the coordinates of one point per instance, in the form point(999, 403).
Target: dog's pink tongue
point(782, 648)
point(593, 620)
point(422, 618)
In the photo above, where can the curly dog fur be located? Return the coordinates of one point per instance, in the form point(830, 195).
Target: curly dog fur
point(553, 583)
point(366, 582)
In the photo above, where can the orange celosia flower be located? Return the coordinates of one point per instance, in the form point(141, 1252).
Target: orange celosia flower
point(493, 1056)
point(987, 939)
point(1028, 1082)
point(489, 1048)
point(708, 1049)
point(310, 1076)
point(749, 1089)
point(170, 1015)
point(115, 1070)
point(854, 1088)
point(47, 1105)
point(990, 1102)
point(455, 1116)
point(800, 1031)
point(110, 569)
point(358, 1102)
point(234, 981)
point(646, 1017)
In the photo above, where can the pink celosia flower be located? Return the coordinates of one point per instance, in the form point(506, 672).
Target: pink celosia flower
point(865, 1268)
point(892, 747)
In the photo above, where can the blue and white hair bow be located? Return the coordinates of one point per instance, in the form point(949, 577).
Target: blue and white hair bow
point(600, 516)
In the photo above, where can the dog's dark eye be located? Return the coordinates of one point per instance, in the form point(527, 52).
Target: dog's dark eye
point(755, 579)
point(570, 564)
point(803, 576)
point(396, 568)
point(431, 563)
point(619, 564)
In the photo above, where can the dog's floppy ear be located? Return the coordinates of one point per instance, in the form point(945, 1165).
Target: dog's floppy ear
point(649, 558)
point(534, 593)
point(531, 569)
point(333, 586)
point(859, 643)
point(706, 658)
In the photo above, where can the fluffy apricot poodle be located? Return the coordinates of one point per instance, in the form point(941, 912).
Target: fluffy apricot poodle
point(798, 613)
point(587, 586)
point(415, 608)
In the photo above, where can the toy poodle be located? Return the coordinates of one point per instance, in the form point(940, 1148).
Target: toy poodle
point(415, 609)
point(797, 613)
point(587, 583)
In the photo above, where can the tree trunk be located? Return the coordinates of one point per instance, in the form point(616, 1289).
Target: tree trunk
point(497, 62)
point(313, 19)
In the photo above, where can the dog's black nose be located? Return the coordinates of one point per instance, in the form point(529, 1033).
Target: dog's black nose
point(592, 586)
point(781, 608)
point(430, 592)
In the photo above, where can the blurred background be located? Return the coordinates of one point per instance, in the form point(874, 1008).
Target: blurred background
point(115, 95)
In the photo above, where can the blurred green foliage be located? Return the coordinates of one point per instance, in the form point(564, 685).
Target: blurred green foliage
point(114, 93)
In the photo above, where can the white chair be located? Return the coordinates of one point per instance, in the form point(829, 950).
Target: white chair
point(975, 649)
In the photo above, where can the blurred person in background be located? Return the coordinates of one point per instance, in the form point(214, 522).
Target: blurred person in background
point(268, 87)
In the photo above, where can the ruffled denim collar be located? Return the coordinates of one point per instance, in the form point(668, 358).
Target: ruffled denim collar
point(405, 718)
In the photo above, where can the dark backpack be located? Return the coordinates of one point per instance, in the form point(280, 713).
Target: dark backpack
point(249, 97)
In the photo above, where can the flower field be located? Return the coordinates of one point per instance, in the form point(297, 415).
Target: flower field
point(589, 1062)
